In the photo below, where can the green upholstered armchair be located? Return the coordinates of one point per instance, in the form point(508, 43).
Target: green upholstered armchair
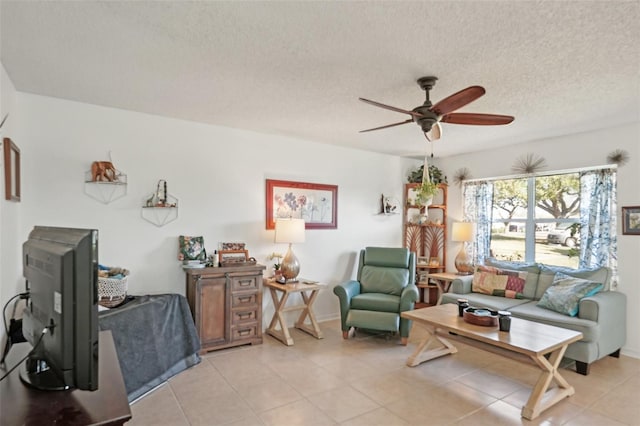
point(385, 286)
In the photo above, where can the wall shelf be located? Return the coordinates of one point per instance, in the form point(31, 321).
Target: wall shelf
point(160, 214)
point(105, 191)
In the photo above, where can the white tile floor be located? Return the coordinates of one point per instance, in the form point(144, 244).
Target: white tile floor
point(364, 381)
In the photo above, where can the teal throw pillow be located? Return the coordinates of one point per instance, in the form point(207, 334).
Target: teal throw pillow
point(564, 294)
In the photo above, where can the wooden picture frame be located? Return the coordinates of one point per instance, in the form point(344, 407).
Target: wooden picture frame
point(316, 203)
point(233, 257)
point(631, 220)
point(11, 170)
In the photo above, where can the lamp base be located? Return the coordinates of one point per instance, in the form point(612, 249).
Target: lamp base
point(290, 266)
point(463, 263)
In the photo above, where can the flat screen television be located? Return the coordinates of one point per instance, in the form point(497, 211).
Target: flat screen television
point(61, 317)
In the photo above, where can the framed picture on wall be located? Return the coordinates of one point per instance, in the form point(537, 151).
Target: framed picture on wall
point(631, 220)
point(11, 170)
point(316, 203)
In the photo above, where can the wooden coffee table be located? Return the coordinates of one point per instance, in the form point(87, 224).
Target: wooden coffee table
point(527, 341)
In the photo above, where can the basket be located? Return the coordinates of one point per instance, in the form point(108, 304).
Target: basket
point(111, 291)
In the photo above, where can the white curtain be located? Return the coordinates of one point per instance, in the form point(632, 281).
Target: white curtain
point(598, 246)
point(478, 200)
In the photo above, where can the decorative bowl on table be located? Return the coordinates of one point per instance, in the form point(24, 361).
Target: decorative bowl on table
point(480, 316)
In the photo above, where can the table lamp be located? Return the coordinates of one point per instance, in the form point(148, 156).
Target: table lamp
point(463, 232)
point(290, 231)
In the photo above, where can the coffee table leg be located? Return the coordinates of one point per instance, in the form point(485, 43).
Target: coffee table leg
point(541, 398)
point(421, 355)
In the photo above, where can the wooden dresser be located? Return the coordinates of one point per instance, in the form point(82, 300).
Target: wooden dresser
point(226, 304)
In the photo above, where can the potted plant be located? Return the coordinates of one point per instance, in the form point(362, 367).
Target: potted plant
point(428, 183)
point(276, 265)
point(425, 192)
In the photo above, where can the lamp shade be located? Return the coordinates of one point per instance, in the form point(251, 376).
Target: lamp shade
point(462, 231)
point(289, 231)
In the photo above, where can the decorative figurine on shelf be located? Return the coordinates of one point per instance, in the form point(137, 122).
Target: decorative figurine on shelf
point(103, 171)
point(161, 193)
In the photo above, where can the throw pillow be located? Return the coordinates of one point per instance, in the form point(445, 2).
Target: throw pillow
point(564, 294)
point(494, 281)
point(191, 248)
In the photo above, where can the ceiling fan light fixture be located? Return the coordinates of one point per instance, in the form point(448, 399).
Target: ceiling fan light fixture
point(427, 115)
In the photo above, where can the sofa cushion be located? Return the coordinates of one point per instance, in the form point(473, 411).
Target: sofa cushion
point(564, 294)
point(548, 273)
point(532, 270)
point(530, 311)
point(376, 302)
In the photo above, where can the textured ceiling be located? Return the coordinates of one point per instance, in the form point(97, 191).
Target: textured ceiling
point(298, 68)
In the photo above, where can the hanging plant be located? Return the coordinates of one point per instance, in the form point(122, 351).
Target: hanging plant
point(429, 184)
point(425, 191)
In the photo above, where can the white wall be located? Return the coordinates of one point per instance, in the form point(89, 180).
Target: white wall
point(218, 174)
point(568, 152)
point(10, 239)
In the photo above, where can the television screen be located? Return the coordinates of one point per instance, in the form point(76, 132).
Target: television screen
point(61, 317)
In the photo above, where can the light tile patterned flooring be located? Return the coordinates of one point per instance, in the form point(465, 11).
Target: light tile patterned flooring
point(364, 381)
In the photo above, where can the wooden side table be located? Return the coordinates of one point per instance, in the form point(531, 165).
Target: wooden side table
point(309, 292)
point(443, 281)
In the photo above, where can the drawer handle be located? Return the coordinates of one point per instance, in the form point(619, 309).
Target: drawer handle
point(245, 332)
point(244, 299)
point(245, 315)
point(245, 283)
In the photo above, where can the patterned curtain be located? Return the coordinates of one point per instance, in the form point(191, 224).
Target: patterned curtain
point(478, 200)
point(598, 245)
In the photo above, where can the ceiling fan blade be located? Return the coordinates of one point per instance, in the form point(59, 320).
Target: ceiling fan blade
point(435, 133)
point(458, 100)
point(476, 119)
point(404, 111)
point(388, 125)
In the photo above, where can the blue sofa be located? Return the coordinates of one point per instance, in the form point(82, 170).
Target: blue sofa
point(601, 318)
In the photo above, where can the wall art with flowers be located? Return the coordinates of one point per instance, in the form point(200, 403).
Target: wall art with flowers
point(316, 203)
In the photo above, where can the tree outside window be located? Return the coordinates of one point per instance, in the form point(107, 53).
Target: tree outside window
point(536, 219)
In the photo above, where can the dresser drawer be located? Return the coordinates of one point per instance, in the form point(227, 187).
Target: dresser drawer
point(245, 283)
point(244, 331)
point(240, 316)
point(244, 300)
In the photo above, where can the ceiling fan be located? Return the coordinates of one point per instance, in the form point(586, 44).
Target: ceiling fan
point(429, 116)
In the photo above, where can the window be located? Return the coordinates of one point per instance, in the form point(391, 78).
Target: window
point(536, 219)
point(567, 218)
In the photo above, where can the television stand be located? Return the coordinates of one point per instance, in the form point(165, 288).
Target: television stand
point(108, 405)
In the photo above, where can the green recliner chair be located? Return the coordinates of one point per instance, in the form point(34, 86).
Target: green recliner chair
point(385, 287)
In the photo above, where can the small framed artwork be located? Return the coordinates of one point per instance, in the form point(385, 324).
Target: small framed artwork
point(434, 261)
point(316, 203)
point(423, 261)
point(631, 220)
point(232, 246)
point(11, 170)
